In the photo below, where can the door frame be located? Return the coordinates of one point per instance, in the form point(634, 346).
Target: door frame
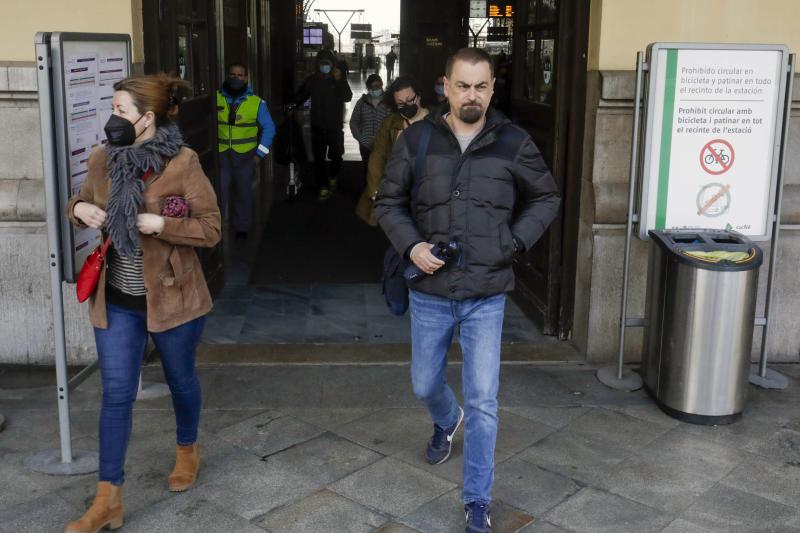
point(576, 24)
point(555, 316)
point(160, 36)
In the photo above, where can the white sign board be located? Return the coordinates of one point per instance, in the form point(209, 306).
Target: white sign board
point(85, 69)
point(477, 9)
point(712, 139)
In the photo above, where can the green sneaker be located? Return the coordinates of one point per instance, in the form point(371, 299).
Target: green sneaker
point(333, 183)
point(324, 193)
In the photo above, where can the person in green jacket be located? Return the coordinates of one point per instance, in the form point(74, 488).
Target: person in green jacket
point(240, 116)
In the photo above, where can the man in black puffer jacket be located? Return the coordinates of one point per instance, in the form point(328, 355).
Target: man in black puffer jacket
point(328, 91)
point(483, 185)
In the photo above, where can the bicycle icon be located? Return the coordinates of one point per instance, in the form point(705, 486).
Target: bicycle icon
point(716, 157)
point(721, 157)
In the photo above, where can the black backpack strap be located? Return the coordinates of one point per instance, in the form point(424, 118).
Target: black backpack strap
point(395, 289)
point(419, 161)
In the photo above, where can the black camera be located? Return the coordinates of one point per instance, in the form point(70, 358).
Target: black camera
point(450, 253)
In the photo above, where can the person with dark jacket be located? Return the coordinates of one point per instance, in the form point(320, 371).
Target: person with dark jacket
point(328, 90)
point(369, 112)
point(485, 188)
point(341, 63)
point(391, 59)
point(438, 101)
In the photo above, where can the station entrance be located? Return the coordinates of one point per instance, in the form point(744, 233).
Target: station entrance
point(309, 272)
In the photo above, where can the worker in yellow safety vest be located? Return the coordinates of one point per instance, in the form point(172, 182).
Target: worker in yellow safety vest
point(245, 130)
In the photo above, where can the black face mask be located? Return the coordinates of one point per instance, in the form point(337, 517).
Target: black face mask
point(409, 111)
point(120, 131)
point(235, 86)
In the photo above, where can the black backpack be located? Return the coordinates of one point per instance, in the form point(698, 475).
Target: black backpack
point(395, 290)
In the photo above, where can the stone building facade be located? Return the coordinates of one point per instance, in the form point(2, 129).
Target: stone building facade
point(618, 29)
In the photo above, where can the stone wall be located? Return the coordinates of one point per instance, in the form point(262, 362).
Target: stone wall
point(26, 324)
point(604, 195)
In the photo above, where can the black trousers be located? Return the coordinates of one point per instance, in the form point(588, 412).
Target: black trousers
point(326, 143)
point(365, 159)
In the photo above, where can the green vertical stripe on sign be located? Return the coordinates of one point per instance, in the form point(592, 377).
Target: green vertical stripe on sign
point(666, 139)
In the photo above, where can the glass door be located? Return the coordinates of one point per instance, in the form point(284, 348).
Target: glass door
point(180, 39)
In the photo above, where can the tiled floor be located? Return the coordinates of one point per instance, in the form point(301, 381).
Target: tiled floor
point(315, 313)
point(321, 448)
point(324, 314)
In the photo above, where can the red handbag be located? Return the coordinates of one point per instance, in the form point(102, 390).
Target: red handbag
point(90, 272)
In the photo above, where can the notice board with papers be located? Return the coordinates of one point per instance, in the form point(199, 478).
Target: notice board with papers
point(84, 69)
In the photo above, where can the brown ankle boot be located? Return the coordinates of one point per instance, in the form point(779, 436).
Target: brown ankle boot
point(105, 512)
point(187, 463)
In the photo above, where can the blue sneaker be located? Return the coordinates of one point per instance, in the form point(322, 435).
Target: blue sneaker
point(441, 444)
point(479, 517)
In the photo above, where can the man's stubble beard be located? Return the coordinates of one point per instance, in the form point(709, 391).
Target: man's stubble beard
point(471, 115)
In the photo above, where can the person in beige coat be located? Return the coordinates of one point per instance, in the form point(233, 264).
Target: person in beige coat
point(147, 191)
point(404, 99)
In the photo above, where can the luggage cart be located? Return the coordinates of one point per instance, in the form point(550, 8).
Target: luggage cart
point(291, 151)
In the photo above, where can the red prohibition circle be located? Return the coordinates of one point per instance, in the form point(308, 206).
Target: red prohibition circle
point(708, 150)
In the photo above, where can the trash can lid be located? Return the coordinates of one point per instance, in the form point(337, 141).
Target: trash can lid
point(720, 250)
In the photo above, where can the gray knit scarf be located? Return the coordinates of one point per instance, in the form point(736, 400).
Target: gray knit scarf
point(126, 165)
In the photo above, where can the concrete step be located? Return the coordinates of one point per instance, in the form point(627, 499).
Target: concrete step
point(350, 353)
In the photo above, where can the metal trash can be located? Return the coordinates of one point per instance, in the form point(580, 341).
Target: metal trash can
point(701, 300)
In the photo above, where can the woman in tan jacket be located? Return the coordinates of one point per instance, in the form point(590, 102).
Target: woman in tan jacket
point(405, 100)
point(148, 193)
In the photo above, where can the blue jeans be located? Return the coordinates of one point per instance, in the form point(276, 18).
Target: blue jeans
point(120, 350)
point(480, 322)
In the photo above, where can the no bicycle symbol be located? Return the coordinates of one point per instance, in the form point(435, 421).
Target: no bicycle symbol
point(716, 157)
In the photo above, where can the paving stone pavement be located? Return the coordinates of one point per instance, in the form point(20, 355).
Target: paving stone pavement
point(339, 448)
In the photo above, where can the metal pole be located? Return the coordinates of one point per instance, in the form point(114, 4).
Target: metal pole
point(352, 14)
point(631, 381)
point(61, 360)
point(324, 12)
point(48, 460)
point(475, 35)
point(775, 380)
point(81, 376)
point(345, 27)
point(54, 261)
point(629, 224)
